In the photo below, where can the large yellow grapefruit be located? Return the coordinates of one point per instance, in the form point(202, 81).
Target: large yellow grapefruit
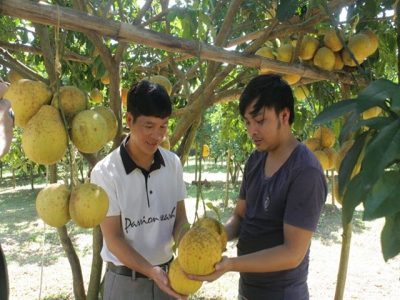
point(52, 204)
point(27, 97)
point(89, 131)
point(111, 119)
point(179, 281)
point(199, 251)
point(44, 138)
point(71, 100)
point(88, 205)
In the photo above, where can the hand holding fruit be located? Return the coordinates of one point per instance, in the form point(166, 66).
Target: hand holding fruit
point(220, 269)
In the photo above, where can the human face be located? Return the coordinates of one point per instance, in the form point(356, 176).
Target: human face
point(147, 132)
point(264, 128)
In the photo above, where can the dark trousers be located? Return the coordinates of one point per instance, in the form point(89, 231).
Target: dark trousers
point(4, 289)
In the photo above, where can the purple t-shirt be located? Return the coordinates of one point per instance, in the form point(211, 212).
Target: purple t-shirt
point(294, 195)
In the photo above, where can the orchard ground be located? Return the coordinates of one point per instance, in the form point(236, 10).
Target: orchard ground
point(39, 269)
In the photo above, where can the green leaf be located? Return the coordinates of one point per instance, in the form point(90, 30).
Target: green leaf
point(171, 16)
point(383, 150)
point(335, 110)
point(375, 94)
point(396, 101)
point(376, 123)
point(285, 9)
point(390, 237)
point(347, 127)
point(384, 197)
point(350, 161)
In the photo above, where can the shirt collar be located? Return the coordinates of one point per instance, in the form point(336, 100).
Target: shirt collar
point(130, 165)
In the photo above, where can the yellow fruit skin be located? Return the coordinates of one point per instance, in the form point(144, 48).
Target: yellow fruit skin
point(124, 96)
point(14, 76)
point(313, 144)
point(301, 92)
point(371, 113)
point(26, 97)
point(52, 204)
point(179, 282)
point(373, 39)
point(360, 45)
point(265, 52)
point(285, 52)
point(216, 227)
point(326, 136)
point(89, 131)
point(339, 64)
point(347, 60)
point(96, 96)
point(330, 153)
point(111, 119)
point(332, 41)
point(336, 194)
point(162, 80)
point(309, 46)
point(44, 138)
point(72, 100)
point(88, 205)
point(323, 159)
point(290, 78)
point(324, 58)
point(199, 251)
point(105, 79)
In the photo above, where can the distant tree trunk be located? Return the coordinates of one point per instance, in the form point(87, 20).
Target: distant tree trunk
point(14, 181)
point(97, 264)
point(228, 164)
point(79, 289)
point(31, 175)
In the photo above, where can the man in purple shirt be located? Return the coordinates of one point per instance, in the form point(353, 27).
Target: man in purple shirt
point(280, 201)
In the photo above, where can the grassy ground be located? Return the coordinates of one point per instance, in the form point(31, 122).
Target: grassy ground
point(38, 268)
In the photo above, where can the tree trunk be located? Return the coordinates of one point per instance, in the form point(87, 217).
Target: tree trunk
point(78, 287)
point(31, 176)
point(228, 164)
point(344, 261)
point(97, 264)
point(13, 179)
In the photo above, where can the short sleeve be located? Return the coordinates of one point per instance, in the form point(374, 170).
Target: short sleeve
point(306, 198)
point(98, 176)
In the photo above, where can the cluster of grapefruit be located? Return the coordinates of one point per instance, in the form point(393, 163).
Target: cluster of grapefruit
point(331, 51)
point(49, 121)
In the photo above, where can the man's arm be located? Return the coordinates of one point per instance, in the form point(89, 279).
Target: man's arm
point(283, 257)
point(112, 233)
point(234, 223)
point(6, 127)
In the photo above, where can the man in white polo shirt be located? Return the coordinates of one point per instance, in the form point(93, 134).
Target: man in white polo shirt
point(145, 186)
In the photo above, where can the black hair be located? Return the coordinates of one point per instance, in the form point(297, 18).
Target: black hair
point(269, 91)
point(146, 98)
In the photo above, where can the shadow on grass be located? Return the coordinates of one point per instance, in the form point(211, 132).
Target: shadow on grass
point(22, 230)
point(330, 225)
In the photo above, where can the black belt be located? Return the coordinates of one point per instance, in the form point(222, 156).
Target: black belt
point(125, 271)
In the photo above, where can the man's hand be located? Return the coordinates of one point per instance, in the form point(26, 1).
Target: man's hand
point(160, 277)
point(6, 127)
point(220, 269)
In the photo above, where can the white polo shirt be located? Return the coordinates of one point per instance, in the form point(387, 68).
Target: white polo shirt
point(146, 202)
